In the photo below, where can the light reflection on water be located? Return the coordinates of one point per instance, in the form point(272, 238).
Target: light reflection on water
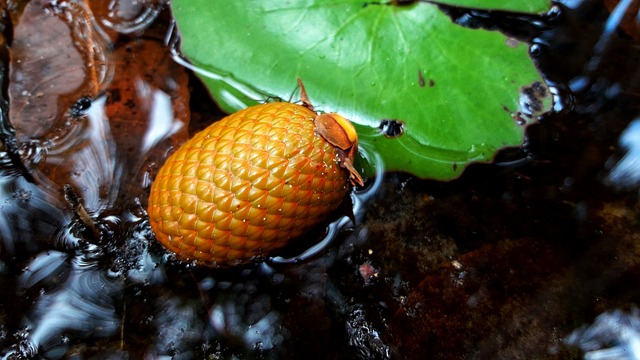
point(85, 158)
point(614, 335)
point(79, 299)
point(243, 315)
point(626, 173)
point(67, 288)
point(161, 123)
point(29, 218)
point(181, 327)
point(131, 16)
point(122, 289)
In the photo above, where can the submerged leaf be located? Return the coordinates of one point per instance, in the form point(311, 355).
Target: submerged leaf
point(102, 132)
point(455, 91)
point(55, 59)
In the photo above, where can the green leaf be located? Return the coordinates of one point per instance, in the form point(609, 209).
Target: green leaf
point(456, 90)
point(522, 6)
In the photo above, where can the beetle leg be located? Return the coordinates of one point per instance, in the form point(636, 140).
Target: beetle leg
point(354, 176)
point(346, 161)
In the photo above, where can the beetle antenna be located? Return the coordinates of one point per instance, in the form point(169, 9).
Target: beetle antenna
point(303, 95)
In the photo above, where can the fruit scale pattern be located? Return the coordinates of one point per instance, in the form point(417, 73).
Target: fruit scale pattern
point(247, 185)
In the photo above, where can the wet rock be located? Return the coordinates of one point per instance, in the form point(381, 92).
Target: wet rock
point(468, 307)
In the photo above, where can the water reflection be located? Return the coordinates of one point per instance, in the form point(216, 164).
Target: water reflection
point(626, 173)
point(88, 155)
point(613, 335)
point(140, 264)
point(180, 328)
point(121, 296)
point(85, 156)
point(364, 336)
point(80, 303)
point(29, 218)
point(161, 122)
point(130, 16)
point(63, 288)
point(240, 314)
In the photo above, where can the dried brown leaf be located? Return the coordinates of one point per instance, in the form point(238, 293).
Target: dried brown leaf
point(55, 60)
point(130, 116)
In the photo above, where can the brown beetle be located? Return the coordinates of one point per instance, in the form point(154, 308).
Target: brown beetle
point(340, 133)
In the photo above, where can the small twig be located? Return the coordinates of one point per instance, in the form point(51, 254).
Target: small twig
point(78, 209)
point(124, 312)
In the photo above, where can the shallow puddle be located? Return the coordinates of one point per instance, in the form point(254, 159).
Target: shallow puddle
point(535, 256)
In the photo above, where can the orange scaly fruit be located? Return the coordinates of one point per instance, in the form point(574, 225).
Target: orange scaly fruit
point(247, 185)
